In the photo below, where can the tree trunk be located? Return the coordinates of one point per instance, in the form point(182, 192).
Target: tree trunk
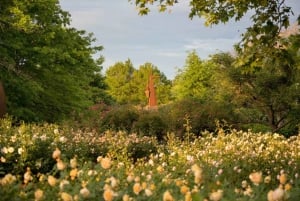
point(2, 101)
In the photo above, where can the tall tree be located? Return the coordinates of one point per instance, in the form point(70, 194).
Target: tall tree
point(46, 66)
point(274, 89)
point(193, 80)
point(117, 78)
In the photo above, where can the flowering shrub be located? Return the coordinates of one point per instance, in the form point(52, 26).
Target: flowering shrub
point(91, 166)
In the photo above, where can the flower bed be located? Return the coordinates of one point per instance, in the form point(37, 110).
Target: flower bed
point(47, 162)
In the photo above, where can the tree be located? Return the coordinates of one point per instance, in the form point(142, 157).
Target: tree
point(117, 78)
point(127, 85)
point(269, 18)
point(46, 66)
point(274, 89)
point(194, 80)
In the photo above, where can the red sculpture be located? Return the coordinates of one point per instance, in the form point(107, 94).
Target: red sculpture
point(150, 92)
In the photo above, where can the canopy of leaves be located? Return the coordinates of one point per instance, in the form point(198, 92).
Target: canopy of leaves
point(117, 78)
point(194, 79)
point(46, 67)
point(273, 89)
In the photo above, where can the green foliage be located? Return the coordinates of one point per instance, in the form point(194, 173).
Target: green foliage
point(271, 92)
point(117, 78)
point(90, 119)
point(150, 123)
point(193, 81)
point(46, 66)
point(141, 150)
point(234, 166)
point(127, 85)
point(201, 115)
point(120, 118)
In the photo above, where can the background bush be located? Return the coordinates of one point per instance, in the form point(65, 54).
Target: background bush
point(120, 118)
point(150, 123)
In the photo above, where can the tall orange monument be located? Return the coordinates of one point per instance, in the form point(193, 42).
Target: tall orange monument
point(150, 92)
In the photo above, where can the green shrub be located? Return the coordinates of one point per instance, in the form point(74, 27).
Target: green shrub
point(151, 124)
point(90, 119)
point(200, 115)
point(120, 118)
point(176, 113)
point(139, 150)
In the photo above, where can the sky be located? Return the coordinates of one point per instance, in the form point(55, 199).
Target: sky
point(163, 39)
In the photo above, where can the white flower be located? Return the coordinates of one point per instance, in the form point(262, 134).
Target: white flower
point(4, 150)
point(11, 150)
point(276, 195)
point(85, 192)
point(20, 150)
point(73, 162)
point(63, 183)
point(60, 164)
point(38, 195)
point(189, 158)
point(151, 162)
point(62, 139)
point(56, 131)
point(113, 182)
point(256, 177)
point(148, 192)
point(2, 159)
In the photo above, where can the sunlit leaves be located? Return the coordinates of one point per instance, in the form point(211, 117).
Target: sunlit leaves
point(50, 63)
point(194, 79)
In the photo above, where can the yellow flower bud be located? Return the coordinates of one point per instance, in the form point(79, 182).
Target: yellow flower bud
point(38, 195)
point(108, 195)
point(167, 196)
point(51, 180)
point(56, 154)
point(66, 197)
point(283, 179)
point(137, 188)
point(105, 163)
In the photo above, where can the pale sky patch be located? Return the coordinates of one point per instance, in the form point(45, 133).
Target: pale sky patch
point(163, 39)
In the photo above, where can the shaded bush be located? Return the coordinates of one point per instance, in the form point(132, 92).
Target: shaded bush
point(90, 119)
point(150, 123)
point(120, 118)
point(138, 150)
point(200, 115)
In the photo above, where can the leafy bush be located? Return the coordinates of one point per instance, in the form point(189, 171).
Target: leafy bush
point(151, 124)
point(90, 119)
point(120, 118)
point(200, 116)
point(141, 150)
